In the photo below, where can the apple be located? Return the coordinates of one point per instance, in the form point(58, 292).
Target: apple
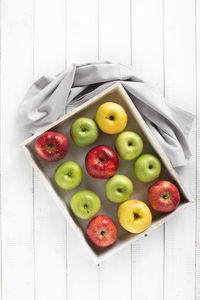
point(163, 196)
point(85, 204)
point(147, 168)
point(101, 162)
point(118, 188)
point(111, 118)
point(128, 145)
point(84, 132)
point(68, 175)
point(134, 216)
point(102, 231)
point(51, 146)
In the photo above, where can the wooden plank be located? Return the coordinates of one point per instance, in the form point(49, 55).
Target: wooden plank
point(179, 30)
point(50, 225)
point(82, 31)
point(197, 283)
point(115, 276)
point(50, 246)
point(147, 41)
point(49, 37)
point(16, 174)
point(147, 266)
point(147, 57)
point(115, 44)
point(81, 46)
point(114, 31)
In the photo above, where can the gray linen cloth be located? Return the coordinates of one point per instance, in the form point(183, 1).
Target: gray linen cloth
point(50, 97)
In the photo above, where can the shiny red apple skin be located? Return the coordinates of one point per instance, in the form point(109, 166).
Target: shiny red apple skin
point(102, 231)
point(164, 196)
point(101, 162)
point(51, 146)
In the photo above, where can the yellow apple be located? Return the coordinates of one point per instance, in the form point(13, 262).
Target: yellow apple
point(111, 118)
point(134, 216)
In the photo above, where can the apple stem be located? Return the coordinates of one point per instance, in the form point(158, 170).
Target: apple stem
point(50, 146)
point(83, 129)
point(86, 208)
point(136, 216)
point(166, 196)
point(101, 159)
point(121, 190)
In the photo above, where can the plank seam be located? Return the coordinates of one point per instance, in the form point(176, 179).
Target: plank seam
point(131, 33)
point(131, 287)
point(163, 30)
point(66, 225)
point(197, 144)
point(98, 57)
point(34, 258)
point(163, 88)
point(33, 172)
point(163, 261)
point(99, 281)
point(131, 62)
point(1, 238)
point(65, 58)
point(98, 54)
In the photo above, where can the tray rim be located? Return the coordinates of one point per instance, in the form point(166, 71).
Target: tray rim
point(101, 257)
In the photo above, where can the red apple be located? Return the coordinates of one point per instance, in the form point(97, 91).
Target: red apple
point(102, 231)
point(164, 196)
point(51, 146)
point(101, 162)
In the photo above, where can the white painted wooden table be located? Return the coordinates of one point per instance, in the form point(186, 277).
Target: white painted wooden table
point(41, 257)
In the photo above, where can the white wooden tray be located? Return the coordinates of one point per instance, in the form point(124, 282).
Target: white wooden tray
point(115, 93)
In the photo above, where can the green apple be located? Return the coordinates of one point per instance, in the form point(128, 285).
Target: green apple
point(85, 204)
point(134, 216)
point(84, 132)
point(147, 168)
point(129, 145)
point(119, 188)
point(68, 175)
